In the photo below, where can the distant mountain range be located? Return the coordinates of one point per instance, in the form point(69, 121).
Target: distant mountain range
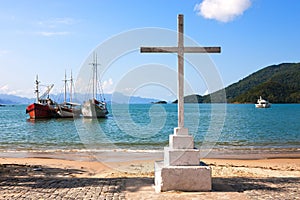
point(123, 99)
point(119, 98)
point(13, 99)
point(276, 83)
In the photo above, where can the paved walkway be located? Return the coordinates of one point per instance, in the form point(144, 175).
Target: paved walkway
point(62, 188)
point(141, 188)
point(21, 184)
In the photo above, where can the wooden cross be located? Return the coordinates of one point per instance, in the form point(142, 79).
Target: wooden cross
point(180, 50)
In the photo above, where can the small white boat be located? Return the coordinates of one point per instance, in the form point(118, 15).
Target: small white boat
point(262, 103)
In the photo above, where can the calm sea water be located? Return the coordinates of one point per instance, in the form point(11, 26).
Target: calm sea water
point(147, 127)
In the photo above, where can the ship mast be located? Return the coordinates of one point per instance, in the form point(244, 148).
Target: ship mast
point(65, 80)
point(37, 88)
point(71, 86)
point(93, 63)
point(95, 78)
point(71, 80)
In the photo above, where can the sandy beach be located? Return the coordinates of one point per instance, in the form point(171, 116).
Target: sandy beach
point(56, 176)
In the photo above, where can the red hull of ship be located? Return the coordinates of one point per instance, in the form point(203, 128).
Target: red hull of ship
point(39, 111)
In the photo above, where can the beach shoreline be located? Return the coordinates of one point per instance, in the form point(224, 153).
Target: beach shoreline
point(121, 155)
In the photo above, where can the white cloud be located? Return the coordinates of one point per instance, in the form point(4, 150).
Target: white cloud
point(4, 89)
point(53, 27)
point(66, 21)
point(222, 10)
point(53, 23)
point(53, 33)
point(206, 92)
point(108, 85)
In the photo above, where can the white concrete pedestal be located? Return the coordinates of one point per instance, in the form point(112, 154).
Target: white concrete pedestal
point(182, 178)
point(181, 170)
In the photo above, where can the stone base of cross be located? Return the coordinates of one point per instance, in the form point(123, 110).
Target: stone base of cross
point(181, 170)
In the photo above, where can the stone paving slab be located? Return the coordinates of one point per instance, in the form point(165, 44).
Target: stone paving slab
point(40, 182)
point(142, 188)
point(223, 188)
point(62, 188)
point(31, 182)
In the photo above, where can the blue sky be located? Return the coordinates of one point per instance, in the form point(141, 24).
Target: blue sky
point(51, 36)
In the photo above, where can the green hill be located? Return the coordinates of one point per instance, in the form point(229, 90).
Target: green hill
point(276, 83)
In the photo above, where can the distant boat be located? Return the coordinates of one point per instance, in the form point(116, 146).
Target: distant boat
point(68, 109)
point(262, 103)
point(94, 108)
point(44, 107)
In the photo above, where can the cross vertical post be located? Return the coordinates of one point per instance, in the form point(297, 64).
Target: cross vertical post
point(180, 86)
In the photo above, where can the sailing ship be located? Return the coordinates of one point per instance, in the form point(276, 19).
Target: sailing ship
point(94, 108)
point(262, 103)
point(44, 107)
point(68, 109)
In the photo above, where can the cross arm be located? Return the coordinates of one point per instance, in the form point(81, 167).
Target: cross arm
point(185, 49)
point(159, 49)
point(202, 49)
